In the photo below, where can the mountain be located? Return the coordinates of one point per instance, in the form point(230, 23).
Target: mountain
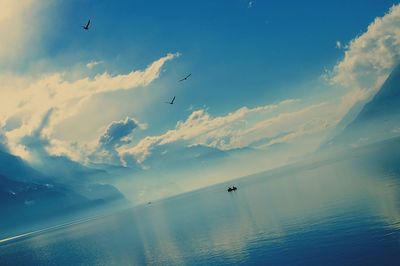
point(23, 200)
point(28, 194)
point(180, 155)
point(379, 119)
point(13, 166)
point(64, 170)
point(385, 102)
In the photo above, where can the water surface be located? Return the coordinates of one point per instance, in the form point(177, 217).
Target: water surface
point(333, 213)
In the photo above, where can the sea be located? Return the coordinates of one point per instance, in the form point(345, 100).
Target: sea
point(340, 210)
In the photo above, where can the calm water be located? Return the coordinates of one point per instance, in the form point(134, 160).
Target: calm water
point(339, 213)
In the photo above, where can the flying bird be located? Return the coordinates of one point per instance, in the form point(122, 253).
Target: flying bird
point(87, 25)
point(171, 102)
point(185, 78)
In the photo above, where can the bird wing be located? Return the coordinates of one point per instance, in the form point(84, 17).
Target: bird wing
point(88, 23)
point(185, 78)
point(173, 99)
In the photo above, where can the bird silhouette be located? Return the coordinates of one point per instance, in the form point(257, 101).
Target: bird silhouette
point(185, 78)
point(171, 102)
point(87, 25)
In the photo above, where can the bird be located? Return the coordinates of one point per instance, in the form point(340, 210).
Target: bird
point(87, 25)
point(185, 78)
point(171, 102)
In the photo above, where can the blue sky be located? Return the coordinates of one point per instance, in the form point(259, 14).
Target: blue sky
point(251, 55)
point(226, 44)
point(262, 72)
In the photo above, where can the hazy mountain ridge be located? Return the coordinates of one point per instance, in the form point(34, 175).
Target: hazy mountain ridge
point(378, 119)
point(26, 193)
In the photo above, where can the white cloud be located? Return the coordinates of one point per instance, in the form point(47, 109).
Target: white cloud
point(92, 64)
point(3, 141)
point(304, 121)
point(27, 100)
point(369, 59)
point(201, 127)
point(396, 130)
point(116, 134)
point(241, 128)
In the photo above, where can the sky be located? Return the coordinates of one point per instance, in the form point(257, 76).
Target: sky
point(262, 73)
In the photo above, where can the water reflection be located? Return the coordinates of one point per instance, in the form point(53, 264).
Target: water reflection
point(336, 213)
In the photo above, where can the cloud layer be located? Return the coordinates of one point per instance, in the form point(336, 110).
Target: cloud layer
point(369, 59)
point(245, 127)
point(33, 107)
point(117, 132)
point(26, 101)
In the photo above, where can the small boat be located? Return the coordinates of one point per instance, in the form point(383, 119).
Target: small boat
point(230, 189)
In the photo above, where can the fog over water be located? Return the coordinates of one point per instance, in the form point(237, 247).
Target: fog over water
point(336, 211)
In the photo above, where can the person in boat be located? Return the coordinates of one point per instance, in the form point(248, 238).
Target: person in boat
point(233, 188)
